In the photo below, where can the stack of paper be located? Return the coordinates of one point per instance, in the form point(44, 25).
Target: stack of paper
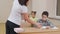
point(18, 30)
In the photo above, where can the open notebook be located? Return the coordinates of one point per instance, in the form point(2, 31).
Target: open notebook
point(44, 27)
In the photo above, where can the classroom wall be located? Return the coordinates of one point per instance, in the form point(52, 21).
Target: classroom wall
point(39, 6)
point(5, 9)
point(35, 5)
point(44, 5)
point(5, 6)
point(52, 7)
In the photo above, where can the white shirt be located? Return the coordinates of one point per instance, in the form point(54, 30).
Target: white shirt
point(16, 11)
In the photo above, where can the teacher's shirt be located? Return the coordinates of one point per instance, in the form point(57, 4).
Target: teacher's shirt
point(16, 11)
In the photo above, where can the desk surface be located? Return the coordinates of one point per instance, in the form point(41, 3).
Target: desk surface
point(36, 30)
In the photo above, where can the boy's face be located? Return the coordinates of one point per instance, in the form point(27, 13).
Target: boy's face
point(33, 15)
point(44, 17)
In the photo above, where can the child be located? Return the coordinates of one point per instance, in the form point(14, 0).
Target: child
point(33, 17)
point(44, 21)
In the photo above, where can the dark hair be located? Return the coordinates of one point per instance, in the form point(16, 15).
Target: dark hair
point(45, 13)
point(23, 2)
point(33, 12)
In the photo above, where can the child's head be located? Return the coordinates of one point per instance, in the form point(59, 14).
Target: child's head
point(33, 14)
point(45, 15)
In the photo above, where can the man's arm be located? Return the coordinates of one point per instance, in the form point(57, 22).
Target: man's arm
point(25, 15)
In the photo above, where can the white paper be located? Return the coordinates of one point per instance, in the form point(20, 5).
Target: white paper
point(54, 28)
point(43, 27)
point(18, 30)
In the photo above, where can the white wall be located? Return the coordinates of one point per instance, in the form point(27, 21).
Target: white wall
point(42, 5)
point(51, 7)
point(5, 9)
point(5, 6)
point(35, 5)
point(39, 6)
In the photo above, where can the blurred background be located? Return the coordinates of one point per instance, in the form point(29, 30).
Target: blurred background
point(52, 6)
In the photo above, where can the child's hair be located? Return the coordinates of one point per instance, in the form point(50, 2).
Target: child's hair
point(33, 12)
point(45, 13)
point(23, 2)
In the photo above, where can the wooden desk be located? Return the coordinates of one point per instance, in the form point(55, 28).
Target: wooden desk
point(31, 30)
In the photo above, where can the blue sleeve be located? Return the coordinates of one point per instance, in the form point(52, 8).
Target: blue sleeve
point(51, 24)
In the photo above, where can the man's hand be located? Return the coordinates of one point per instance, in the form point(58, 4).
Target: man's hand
point(38, 25)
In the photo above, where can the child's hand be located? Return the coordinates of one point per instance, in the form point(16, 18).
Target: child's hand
point(38, 25)
point(48, 27)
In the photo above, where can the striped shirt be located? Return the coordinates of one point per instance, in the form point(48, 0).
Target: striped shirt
point(46, 23)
